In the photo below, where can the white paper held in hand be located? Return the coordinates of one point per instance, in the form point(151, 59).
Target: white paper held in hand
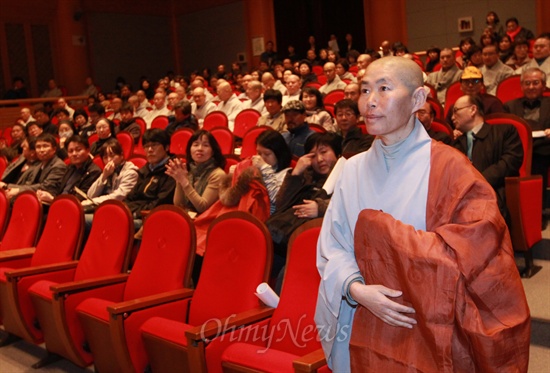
point(267, 295)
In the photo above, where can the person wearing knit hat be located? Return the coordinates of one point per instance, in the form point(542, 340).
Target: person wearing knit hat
point(298, 129)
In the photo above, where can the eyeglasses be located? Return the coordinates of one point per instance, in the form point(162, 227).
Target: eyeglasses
point(460, 108)
point(470, 81)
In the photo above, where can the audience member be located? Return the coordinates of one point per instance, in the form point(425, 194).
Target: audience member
point(105, 130)
point(449, 73)
point(18, 90)
point(298, 129)
point(159, 108)
point(26, 116)
point(269, 55)
point(17, 136)
point(117, 179)
point(256, 101)
point(269, 82)
point(182, 118)
point(342, 67)
point(535, 109)
point(520, 57)
point(43, 120)
point(17, 171)
point(493, 22)
point(34, 129)
point(229, 103)
point(91, 89)
point(81, 172)
point(426, 115)
point(48, 175)
point(514, 30)
point(62, 104)
point(293, 85)
point(353, 139)
point(363, 61)
point(128, 122)
point(494, 150)
point(274, 118)
point(315, 109)
point(198, 179)
point(541, 56)
point(53, 90)
point(351, 91)
point(333, 80)
point(433, 59)
point(66, 131)
point(306, 74)
point(471, 83)
point(154, 187)
point(493, 70)
point(505, 49)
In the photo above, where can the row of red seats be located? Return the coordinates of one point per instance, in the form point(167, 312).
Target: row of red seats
point(91, 310)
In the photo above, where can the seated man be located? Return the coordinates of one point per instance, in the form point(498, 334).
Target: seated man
point(154, 187)
point(354, 141)
point(541, 55)
point(128, 123)
point(62, 104)
point(26, 116)
point(293, 85)
point(426, 116)
point(494, 70)
point(269, 82)
point(17, 171)
point(471, 83)
point(274, 118)
point(352, 92)
point(535, 109)
point(201, 107)
point(159, 108)
point(43, 120)
point(298, 129)
point(449, 73)
point(229, 103)
point(81, 173)
point(47, 175)
point(256, 101)
point(333, 80)
point(182, 118)
point(495, 150)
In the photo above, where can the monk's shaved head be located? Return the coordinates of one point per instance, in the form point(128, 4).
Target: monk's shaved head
point(405, 70)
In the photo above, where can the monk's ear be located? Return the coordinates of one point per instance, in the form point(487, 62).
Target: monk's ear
point(419, 98)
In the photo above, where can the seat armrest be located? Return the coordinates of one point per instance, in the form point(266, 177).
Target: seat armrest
point(17, 254)
point(310, 362)
point(213, 328)
point(149, 301)
point(59, 290)
point(30, 271)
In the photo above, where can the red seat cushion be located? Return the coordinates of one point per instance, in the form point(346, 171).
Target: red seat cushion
point(3, 271)
point(169, 330)
point(95, 307)
point(260, 358)
point(42, 289)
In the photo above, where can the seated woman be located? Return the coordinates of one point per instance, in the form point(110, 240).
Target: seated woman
point(105, 130)
point(301, 196)
point(117, 179)
point(315, 109)
point(306, 73)
point(198, 180)
point(66, 130)
point(270, 167)
point(342, 69)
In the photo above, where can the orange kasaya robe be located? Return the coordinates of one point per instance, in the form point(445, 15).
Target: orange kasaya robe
point(459, 276)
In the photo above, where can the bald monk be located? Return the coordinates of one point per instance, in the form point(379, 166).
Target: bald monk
point(417, 269)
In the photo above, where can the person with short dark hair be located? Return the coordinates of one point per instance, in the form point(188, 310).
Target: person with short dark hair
point(47, 175)
point(154, 187)
point(97, 112)
point(273, 104)
point(16, 172)
point(105, 130)
point(128, 122)
point(298, 129)
point(447, 75)
point(353, 139)
point(520, 55)
point(79, 175)
point(306, 73)
point(18, 90)
point(315, 109)
point(514, 30)
point(494, 70)
point(43, 120)
point(182, 118)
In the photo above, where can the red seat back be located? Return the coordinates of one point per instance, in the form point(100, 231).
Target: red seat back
point(509, 89)
point(454, 92)
point(108, 245)
point(93, 138)
point(299, 293)
point(139, 161)
point(317, 70)
point(524, 131)
point(127, 142)
point(62, 235)
point(245, 120)
point(142, 124)
point(3, 164)
point(4, 213)
point(99, 162)
point(160, 121)
point(225, 139)
point(249, 141)
point(322, 79)
point(237, 259)
point(317, 128)
point(436, 106)
point(7, 135)
point(179, 140)
point(24, 224)
point(441, 126)
point(334, 96)
point(166, 254)
point(215, 119)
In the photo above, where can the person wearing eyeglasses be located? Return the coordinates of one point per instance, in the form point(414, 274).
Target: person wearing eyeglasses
point(494, 150)
point(471, 83)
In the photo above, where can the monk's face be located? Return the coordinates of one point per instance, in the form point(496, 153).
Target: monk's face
point(386, 103)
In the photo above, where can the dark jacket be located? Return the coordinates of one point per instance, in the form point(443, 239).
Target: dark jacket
point(86, 175)
point(152, 189)
point(46, 178)
point(541, 145)
point(132, 127)
point(189, 122)
point(356, 142)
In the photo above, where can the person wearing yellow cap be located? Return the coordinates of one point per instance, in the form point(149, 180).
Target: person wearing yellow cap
point(471, 83)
